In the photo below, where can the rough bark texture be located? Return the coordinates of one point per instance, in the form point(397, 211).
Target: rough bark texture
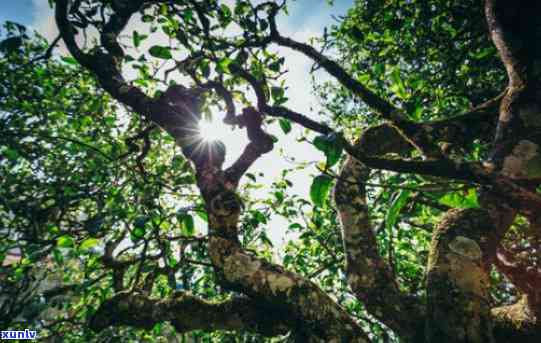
point(517, 323)
point(464, 246)
point(457, 280)
point(367, 272)
point(187, 312)
point(322, 319)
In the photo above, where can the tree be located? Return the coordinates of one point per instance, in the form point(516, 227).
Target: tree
point(431, 149)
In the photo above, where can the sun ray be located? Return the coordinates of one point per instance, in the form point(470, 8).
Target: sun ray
point(213, 130)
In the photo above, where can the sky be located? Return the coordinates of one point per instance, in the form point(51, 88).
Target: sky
point(307, 18)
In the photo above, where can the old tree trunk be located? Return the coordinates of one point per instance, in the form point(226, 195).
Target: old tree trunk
point(268, 299)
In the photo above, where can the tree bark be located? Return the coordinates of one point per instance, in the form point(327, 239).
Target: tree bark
point(457, 281)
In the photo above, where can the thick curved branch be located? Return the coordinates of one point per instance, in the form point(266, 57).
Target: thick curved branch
point(68, 34)
point(320, 317)
point(275, 111)
point(123, 10)
point(177, 110)
point(518, 196)
point(460, 131)
point(104, 66)
point(187, 312)
point(226, 95)
point(456, 170)
point(457, 279)
point(514, 29)
point(448, 129)
point(362, 255)
point(257, 85)
point(368, 274)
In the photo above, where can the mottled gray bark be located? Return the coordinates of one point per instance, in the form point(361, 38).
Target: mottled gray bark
point(457, 281)
point(463, 247)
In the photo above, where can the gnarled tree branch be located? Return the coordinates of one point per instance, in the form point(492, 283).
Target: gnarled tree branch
point(368, 274)
point(187, 312)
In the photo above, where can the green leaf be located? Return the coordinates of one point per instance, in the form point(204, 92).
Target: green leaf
point(137, 39)
point(11, 154)
point(223, 65)
point(188, 15)
point(398, 203)
point(89, 243)
point(187, 223)
point(139, 228)
point(11, 44)
point(53, 229)
point(203, 215)
point(162, 52)
point(157, 329)
point(147, 18)
point(140, 221)
point(260, 217)
point(379, 69)
point(69, 60)
point(263, 237)
point(489, 51)
point(319, 189)
point(285, 125)
point(295, 226)
point(225, 11)
point(242, 7)
point(277, 94)
point(276, 65)
point(57, 256)
point(137, 233)
point(65, 242)
point(398, 86)
point(331, 147)
point(205, 68)
point(461, 199)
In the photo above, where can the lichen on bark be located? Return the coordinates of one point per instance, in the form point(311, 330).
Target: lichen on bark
point(457, 281)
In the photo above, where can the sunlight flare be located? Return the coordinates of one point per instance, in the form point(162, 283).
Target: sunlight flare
point(213, 130)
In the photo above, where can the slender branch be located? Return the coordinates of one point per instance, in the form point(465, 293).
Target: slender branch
point(384, 108)
point(45, 56)
point(283, 112)
point(257, 85)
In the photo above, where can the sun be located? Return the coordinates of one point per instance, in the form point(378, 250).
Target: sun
point(213, 130)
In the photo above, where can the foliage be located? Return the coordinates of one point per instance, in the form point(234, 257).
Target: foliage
point(97, 199)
